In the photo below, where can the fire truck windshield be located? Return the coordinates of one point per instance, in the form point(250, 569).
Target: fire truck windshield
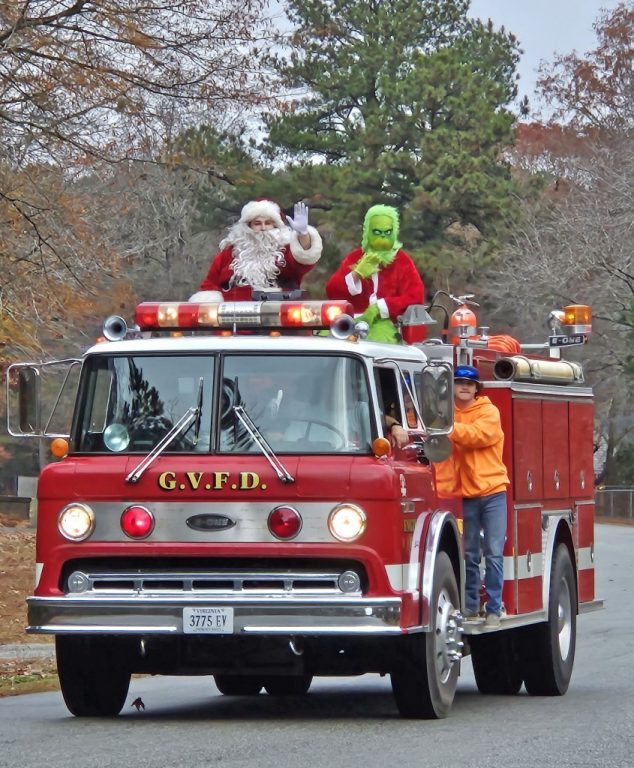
point(129, 404)
point(299, 403)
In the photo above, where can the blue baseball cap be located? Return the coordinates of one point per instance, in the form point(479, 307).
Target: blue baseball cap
point(467, 372)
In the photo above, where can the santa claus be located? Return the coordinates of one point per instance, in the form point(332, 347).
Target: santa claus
point(264, 251)
point(379, 279)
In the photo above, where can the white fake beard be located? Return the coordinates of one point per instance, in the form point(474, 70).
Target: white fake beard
point(257, 256)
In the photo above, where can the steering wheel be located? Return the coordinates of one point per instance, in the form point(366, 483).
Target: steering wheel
point(147, 431)
point(318, 422)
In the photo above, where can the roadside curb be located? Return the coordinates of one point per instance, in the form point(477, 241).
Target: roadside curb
point(27, 651)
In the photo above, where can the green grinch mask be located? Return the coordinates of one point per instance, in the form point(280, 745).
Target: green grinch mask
point(380, 233)
point(381, 236)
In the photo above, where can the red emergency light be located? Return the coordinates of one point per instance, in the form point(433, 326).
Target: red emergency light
point(182, 316)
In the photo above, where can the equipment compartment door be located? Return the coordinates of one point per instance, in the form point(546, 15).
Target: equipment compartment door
point(527, 450)
point(529, 565)
point(581, 459)
point(555, 441)
point(584, 544)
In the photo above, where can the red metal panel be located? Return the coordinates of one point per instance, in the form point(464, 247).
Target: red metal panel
point(555, 441)
point(508, 597)
point(586, 585)
point(529, 594)
point(584, 514)
point(527, 450)
point(528, 548)
point(581, 447)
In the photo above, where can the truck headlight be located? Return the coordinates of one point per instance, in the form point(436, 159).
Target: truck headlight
point(76, 522)
point(347, 522)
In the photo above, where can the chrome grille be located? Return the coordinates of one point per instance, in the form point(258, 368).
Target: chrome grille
point(270, 582)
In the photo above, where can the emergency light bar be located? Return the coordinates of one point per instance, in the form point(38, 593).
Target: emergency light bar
point(183, 316)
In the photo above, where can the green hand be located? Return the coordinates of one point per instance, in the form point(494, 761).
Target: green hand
point(371, 314)
point(367, 265)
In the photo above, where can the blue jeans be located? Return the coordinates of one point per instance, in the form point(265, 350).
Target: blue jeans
point(488, 514)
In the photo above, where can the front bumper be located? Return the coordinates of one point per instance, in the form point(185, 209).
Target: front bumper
point(251, 616)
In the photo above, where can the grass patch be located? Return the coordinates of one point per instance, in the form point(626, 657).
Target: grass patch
point(13, 684)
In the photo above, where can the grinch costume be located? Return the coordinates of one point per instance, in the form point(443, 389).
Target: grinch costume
point(261, 260)
point(379, 279)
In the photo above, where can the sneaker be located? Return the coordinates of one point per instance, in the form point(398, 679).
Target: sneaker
point(492, 621)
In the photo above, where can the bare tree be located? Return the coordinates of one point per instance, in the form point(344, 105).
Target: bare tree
point(576, 248)
point(575, 244)
point(84, 84)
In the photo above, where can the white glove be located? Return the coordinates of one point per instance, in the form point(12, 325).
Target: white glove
point(300, 221)
point(200, 297)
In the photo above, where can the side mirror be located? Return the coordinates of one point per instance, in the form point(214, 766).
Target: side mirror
point(435, 394)
point(28, 400)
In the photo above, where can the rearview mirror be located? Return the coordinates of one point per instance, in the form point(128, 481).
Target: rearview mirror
point(28, 400)
point(435, 394)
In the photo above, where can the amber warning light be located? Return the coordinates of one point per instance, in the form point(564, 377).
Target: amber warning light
point(180, 316)
point(571, 326)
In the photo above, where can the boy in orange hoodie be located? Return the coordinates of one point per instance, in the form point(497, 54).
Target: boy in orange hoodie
point(482, 479)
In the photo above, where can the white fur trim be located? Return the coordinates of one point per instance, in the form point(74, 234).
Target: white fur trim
point(354, 284)
point(201, 297)
point(310, 255)
point(267, 209)
point(382, 305)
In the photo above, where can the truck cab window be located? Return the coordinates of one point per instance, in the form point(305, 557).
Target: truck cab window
point(388, 393)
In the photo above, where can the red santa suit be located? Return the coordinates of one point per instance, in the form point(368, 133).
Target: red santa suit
point(393, 288)
point(270, 260)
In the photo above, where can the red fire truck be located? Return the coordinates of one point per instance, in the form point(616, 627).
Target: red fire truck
point(226, 503)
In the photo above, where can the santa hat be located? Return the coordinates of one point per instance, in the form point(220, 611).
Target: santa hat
point(267, 209)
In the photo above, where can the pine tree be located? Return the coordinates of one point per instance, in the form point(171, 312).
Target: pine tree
point(401, 103)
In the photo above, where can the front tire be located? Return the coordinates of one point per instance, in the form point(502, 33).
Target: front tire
point(548, 649)
point(426, 673)
point(93, 674)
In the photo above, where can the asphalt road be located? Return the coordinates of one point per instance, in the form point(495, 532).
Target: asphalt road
point(353, 721)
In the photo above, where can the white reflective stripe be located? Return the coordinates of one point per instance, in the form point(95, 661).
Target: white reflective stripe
point(406, 575)
point(536, 563)
point(413, 572)
point(397, 575)
point(38, 573)
point(584, 558)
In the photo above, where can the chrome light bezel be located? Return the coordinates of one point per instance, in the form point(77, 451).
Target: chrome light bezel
point(90, 521)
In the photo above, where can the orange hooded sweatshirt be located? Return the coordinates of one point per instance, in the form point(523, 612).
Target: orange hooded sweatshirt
point(475, 467)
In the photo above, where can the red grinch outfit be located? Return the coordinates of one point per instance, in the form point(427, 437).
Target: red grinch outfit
point(269, 260)
point(393, 288)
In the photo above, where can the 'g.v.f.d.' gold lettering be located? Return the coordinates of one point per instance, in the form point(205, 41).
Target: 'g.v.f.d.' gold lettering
point(211, 481)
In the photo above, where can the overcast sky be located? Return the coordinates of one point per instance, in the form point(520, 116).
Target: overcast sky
point(543, 28)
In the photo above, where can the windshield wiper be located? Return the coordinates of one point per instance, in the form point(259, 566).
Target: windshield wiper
point(191, 416)
point(257, 437)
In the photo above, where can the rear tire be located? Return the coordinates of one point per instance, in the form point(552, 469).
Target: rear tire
point(548, 649)
point(426, 674)
point(496, 663)
point(288, 685)
point(238, 685)
point(93, 674)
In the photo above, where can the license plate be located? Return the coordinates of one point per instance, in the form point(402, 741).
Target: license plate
point(208, 621)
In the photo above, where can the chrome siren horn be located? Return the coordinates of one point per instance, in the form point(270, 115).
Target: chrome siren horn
point(342, 327)
point(115, 328)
